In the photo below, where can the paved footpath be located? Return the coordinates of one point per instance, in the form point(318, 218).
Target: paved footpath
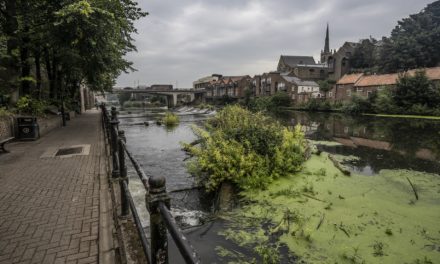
point(53, 209)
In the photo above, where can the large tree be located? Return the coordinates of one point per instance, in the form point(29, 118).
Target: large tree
point(67, 42)
point(414, 42)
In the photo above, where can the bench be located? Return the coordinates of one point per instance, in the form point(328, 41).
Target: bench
point(3, 142)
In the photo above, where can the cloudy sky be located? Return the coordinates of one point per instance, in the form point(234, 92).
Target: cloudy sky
point(183, 40)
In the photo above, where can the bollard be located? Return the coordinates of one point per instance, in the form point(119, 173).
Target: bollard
point(122, 174)
point(114, 141)
point(158, 231)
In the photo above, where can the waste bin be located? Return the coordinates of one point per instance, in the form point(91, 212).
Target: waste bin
point(28, 128)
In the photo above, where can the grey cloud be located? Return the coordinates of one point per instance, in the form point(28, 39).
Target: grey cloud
point(184, 40)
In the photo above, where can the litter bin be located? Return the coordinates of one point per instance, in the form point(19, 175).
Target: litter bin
point(28, 128)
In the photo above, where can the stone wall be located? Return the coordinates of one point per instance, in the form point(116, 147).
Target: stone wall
point(47, 124)
point(6, 127)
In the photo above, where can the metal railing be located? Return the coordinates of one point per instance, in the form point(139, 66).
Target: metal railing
point(157, 199)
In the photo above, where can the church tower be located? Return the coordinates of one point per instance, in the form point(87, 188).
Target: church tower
point(326, 52)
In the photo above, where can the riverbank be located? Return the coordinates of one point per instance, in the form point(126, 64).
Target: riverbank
point(323, 216)
point(405, 116)
point(365, 114)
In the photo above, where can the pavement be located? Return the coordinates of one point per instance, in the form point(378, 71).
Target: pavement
point(56, 209)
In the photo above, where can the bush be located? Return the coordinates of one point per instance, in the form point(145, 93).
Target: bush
point(31, 106)
point(4, 112)
point(358, 105)
point(170, 119)
point(245, 148)
point(384, 102)
point(270, 103)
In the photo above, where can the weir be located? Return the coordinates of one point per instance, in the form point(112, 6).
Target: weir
point(157, 199)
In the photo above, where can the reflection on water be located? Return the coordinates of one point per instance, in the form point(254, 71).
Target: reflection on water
point(381, 143)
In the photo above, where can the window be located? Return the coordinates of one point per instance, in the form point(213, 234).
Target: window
point(348, 92)
point(359, 89)
point(369, 93)
point(311, 70)
point(330, 94)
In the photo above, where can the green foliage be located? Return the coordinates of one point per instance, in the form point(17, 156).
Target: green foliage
point(414, 42)
point(325, 86)
point(29, 105)
point(319, 105)
point(170, 119)
point(384, 102)
point(416, 90)
point(365, 55)
point(71, 43)
point(358, 105)
point(271, 103)
point(245, 148)
point(4, 112)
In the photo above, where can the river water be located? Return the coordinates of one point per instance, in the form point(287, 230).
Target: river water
point(379, 143)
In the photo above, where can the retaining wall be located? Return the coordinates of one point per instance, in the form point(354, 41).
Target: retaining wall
point(8, 126)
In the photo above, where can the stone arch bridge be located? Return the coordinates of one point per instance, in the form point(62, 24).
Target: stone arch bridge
point(171, 95)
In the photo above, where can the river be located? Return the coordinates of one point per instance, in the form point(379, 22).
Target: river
point(379, 143)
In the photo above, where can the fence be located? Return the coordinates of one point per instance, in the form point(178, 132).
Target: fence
point(157, 199)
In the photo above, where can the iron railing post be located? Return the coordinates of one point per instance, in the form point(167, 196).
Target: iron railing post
point(158, 231)
point(123, 174)
point(114, 141)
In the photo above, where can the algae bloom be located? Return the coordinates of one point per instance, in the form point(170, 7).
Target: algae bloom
point(322, 216)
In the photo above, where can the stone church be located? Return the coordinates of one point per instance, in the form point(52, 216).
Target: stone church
point(333, 65)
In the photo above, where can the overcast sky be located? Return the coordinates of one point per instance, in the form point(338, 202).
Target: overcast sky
point(183, 40)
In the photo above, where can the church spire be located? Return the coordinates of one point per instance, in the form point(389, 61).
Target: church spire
point(327, 42)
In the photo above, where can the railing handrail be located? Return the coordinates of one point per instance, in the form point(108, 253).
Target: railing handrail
point(158, 201)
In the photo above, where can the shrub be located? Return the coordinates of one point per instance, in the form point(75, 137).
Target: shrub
point(29, 105)
point(4, 112)
point(270, 103)
point(170, 119)
point(245, 148)
point(358, 105)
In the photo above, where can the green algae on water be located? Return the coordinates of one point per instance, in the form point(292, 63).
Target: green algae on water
point(377, 220)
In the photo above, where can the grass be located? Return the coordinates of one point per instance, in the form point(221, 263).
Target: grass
point(405, 116)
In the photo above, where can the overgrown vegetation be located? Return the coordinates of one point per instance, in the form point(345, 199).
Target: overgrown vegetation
point(29, 105)
point(170, 119)
point(244, 148)
point(269, 103)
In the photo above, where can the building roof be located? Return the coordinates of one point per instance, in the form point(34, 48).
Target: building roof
point(349, 78)
point(298, 81)
point(377, 80)
point(292, 61)
point(431, 73)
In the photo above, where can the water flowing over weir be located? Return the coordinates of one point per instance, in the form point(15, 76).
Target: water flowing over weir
point(159, 152)
point(366, 145)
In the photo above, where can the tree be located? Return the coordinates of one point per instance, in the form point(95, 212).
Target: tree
point(76, 41)
point(416, 90)
point(325, 87)
point(365, 54)
point(414, 42)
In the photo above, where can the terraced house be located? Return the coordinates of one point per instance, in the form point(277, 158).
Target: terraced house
point(232, 87)
point(363, 85)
